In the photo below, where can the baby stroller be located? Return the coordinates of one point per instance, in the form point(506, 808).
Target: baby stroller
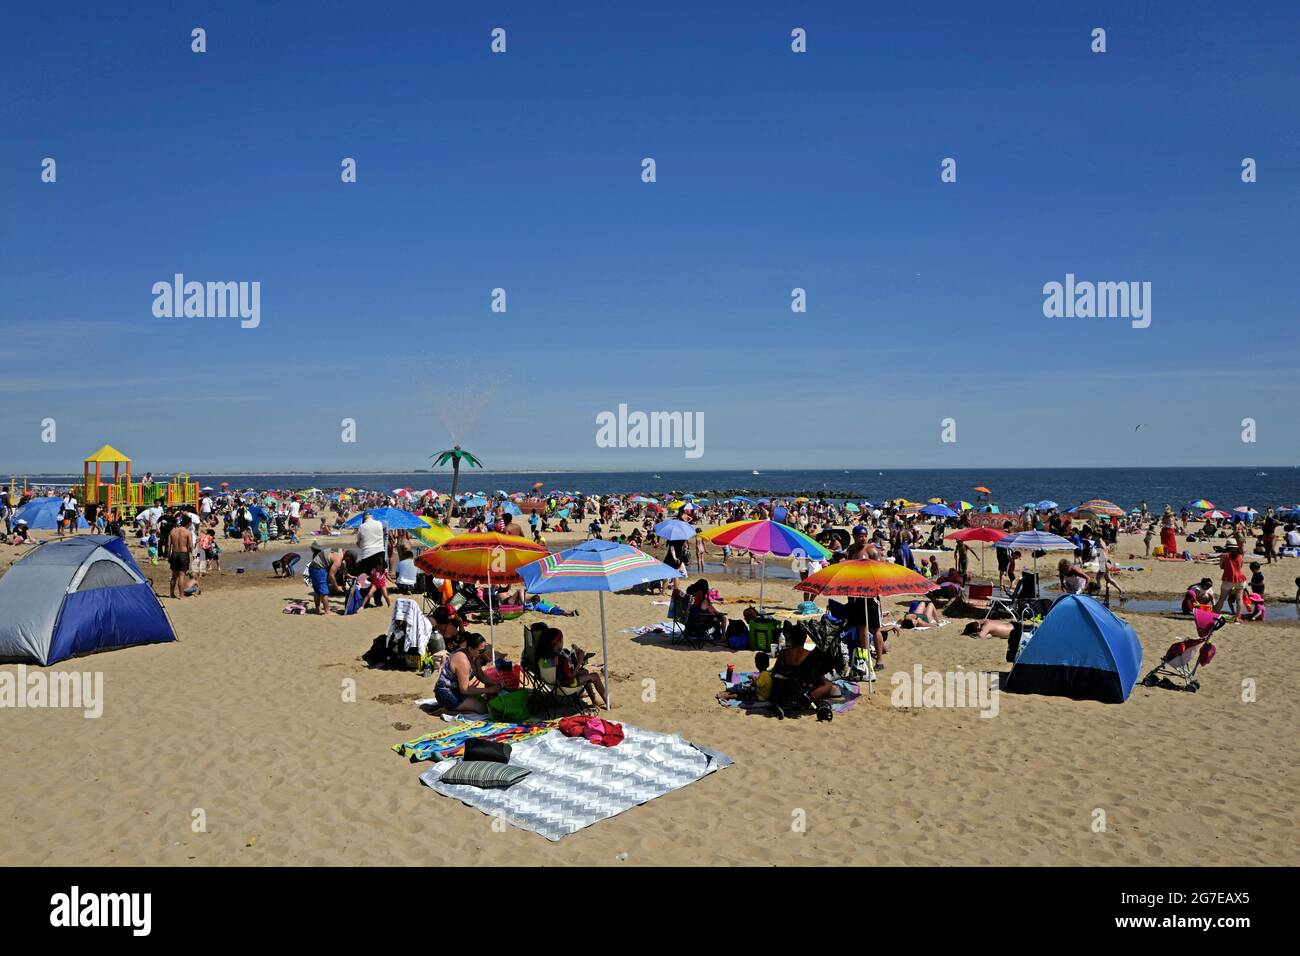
point(1184, 658)
point(792, 687)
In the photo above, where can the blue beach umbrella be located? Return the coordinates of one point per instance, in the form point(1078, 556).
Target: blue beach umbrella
point(938, 511)
point(393, 519)
point(674, 530)
point(473, 501)
point(596, 565)
point(511, 508)
point(1045, 505)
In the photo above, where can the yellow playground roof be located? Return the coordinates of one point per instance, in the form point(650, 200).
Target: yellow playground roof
point(107, 453)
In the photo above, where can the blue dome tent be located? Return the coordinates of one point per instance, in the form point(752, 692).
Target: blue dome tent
point(1081, 650)
point(77, 596)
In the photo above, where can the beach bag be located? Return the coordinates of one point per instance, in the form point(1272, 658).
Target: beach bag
point(738, 636)
point(510, 707)
point(378, 652)
point(494, 751)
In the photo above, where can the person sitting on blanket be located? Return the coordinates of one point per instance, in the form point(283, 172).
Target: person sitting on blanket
point(461, 686)
point(571, 666)
point(759, 689)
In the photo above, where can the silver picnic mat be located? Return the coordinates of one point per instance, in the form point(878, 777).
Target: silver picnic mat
point(575, 783)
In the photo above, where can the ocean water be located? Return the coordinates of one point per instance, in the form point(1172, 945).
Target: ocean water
point(1227, 488)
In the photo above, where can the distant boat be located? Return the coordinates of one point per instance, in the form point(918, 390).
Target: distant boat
point(755, 472)
point(1261, 474)
point(655, 476)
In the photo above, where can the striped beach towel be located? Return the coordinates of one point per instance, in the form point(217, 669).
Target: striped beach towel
point(449, 743)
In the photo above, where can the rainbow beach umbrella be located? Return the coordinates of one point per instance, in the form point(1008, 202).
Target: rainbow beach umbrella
point(1201, 504)
point(1102, 508)
point(765, 537)
point(596, 565)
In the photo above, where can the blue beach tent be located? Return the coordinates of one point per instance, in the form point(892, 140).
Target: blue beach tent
point(42, 514)
point(1081, 650)
point(77, 596)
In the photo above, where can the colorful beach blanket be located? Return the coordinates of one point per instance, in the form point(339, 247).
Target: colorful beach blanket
point(449, 743)
point(849, 691)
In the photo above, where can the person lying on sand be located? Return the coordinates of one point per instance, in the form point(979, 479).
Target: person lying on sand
point(923, 614)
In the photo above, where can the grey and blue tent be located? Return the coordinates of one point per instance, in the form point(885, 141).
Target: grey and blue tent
point(77, 596)
point(1081, 650)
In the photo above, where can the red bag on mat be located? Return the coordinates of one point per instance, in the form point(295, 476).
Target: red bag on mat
point(603, 733)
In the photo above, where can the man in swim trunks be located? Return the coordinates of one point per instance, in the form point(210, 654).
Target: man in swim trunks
point(180, 542)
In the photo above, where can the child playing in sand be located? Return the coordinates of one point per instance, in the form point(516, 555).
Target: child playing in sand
point(151, 543)
point(249, 543)
point(758, 689)
point(379, 586)
point(1257, 579)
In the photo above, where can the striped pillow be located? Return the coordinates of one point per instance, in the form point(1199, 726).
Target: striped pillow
point(484, 774)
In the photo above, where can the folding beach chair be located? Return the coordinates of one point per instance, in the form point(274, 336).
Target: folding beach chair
point(547, 696)
point(687, 632)
point(1021, 603)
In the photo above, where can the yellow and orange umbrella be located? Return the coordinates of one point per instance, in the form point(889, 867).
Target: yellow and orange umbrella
point(481, 558)
point(864, 579)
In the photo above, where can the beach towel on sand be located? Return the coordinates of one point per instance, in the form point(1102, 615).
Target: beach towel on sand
point(449, 742)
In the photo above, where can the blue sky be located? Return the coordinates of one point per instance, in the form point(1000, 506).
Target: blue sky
point(522, 171)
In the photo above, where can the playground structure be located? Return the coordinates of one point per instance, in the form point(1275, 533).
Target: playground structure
point(120, 494)
point(15, 494)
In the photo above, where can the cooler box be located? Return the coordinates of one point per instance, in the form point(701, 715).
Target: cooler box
point(762, 633)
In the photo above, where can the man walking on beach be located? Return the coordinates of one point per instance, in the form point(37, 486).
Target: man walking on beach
point(180, 542)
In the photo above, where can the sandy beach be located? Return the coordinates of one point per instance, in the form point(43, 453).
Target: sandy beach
point(244, 719)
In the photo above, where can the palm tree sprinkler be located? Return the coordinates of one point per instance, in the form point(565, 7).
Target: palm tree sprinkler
point(455, 455)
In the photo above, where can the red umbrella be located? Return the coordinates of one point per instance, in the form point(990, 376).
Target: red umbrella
point(977, 534)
